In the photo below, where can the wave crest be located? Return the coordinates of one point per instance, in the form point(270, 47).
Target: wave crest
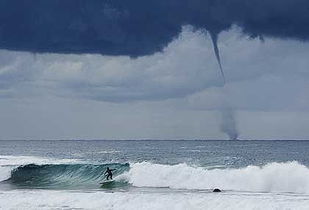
point(273, 177)
point(62, 175)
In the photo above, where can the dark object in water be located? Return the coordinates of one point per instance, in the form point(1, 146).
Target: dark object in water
point(216, 190)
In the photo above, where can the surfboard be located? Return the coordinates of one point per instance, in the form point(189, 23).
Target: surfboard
point(108, 184)
point(107, 181)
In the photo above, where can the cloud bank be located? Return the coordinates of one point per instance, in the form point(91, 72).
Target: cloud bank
point(261, 75)
point(154, 63)
point(138, 27)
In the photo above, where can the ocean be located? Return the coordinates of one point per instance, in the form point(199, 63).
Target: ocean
point(153, 174)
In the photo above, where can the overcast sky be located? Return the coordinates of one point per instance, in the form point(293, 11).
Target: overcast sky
point(173, 93)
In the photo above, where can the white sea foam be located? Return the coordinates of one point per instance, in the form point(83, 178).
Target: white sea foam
point(273, 177)
point(40, 199)
point(5, 173)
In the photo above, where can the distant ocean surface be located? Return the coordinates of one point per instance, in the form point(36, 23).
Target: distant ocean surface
point(154, 174)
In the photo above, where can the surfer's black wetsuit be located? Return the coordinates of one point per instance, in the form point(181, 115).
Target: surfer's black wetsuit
point(109, 173)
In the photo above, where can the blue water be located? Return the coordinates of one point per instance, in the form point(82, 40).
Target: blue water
point(177, 174)
point(226, 154)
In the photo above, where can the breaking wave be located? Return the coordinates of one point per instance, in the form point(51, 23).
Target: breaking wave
point(62, 175)
point(273, 177)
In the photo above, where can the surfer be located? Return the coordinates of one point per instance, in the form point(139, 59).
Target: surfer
point(109, 173)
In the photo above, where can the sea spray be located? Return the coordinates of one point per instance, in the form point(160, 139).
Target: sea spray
point(272, 177)
point(228, 123)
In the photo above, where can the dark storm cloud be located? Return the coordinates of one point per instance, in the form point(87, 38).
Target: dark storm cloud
point(139, 27)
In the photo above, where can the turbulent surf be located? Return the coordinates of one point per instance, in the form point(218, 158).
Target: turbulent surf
point(155, 175)
point(273, 177)
point(62, 175)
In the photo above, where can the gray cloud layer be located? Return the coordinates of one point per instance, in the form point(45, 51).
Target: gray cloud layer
point(176, 93)
point(139, 27)
point(274, 73)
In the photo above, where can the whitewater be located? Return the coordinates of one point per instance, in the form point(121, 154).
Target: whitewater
point(154, 175)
